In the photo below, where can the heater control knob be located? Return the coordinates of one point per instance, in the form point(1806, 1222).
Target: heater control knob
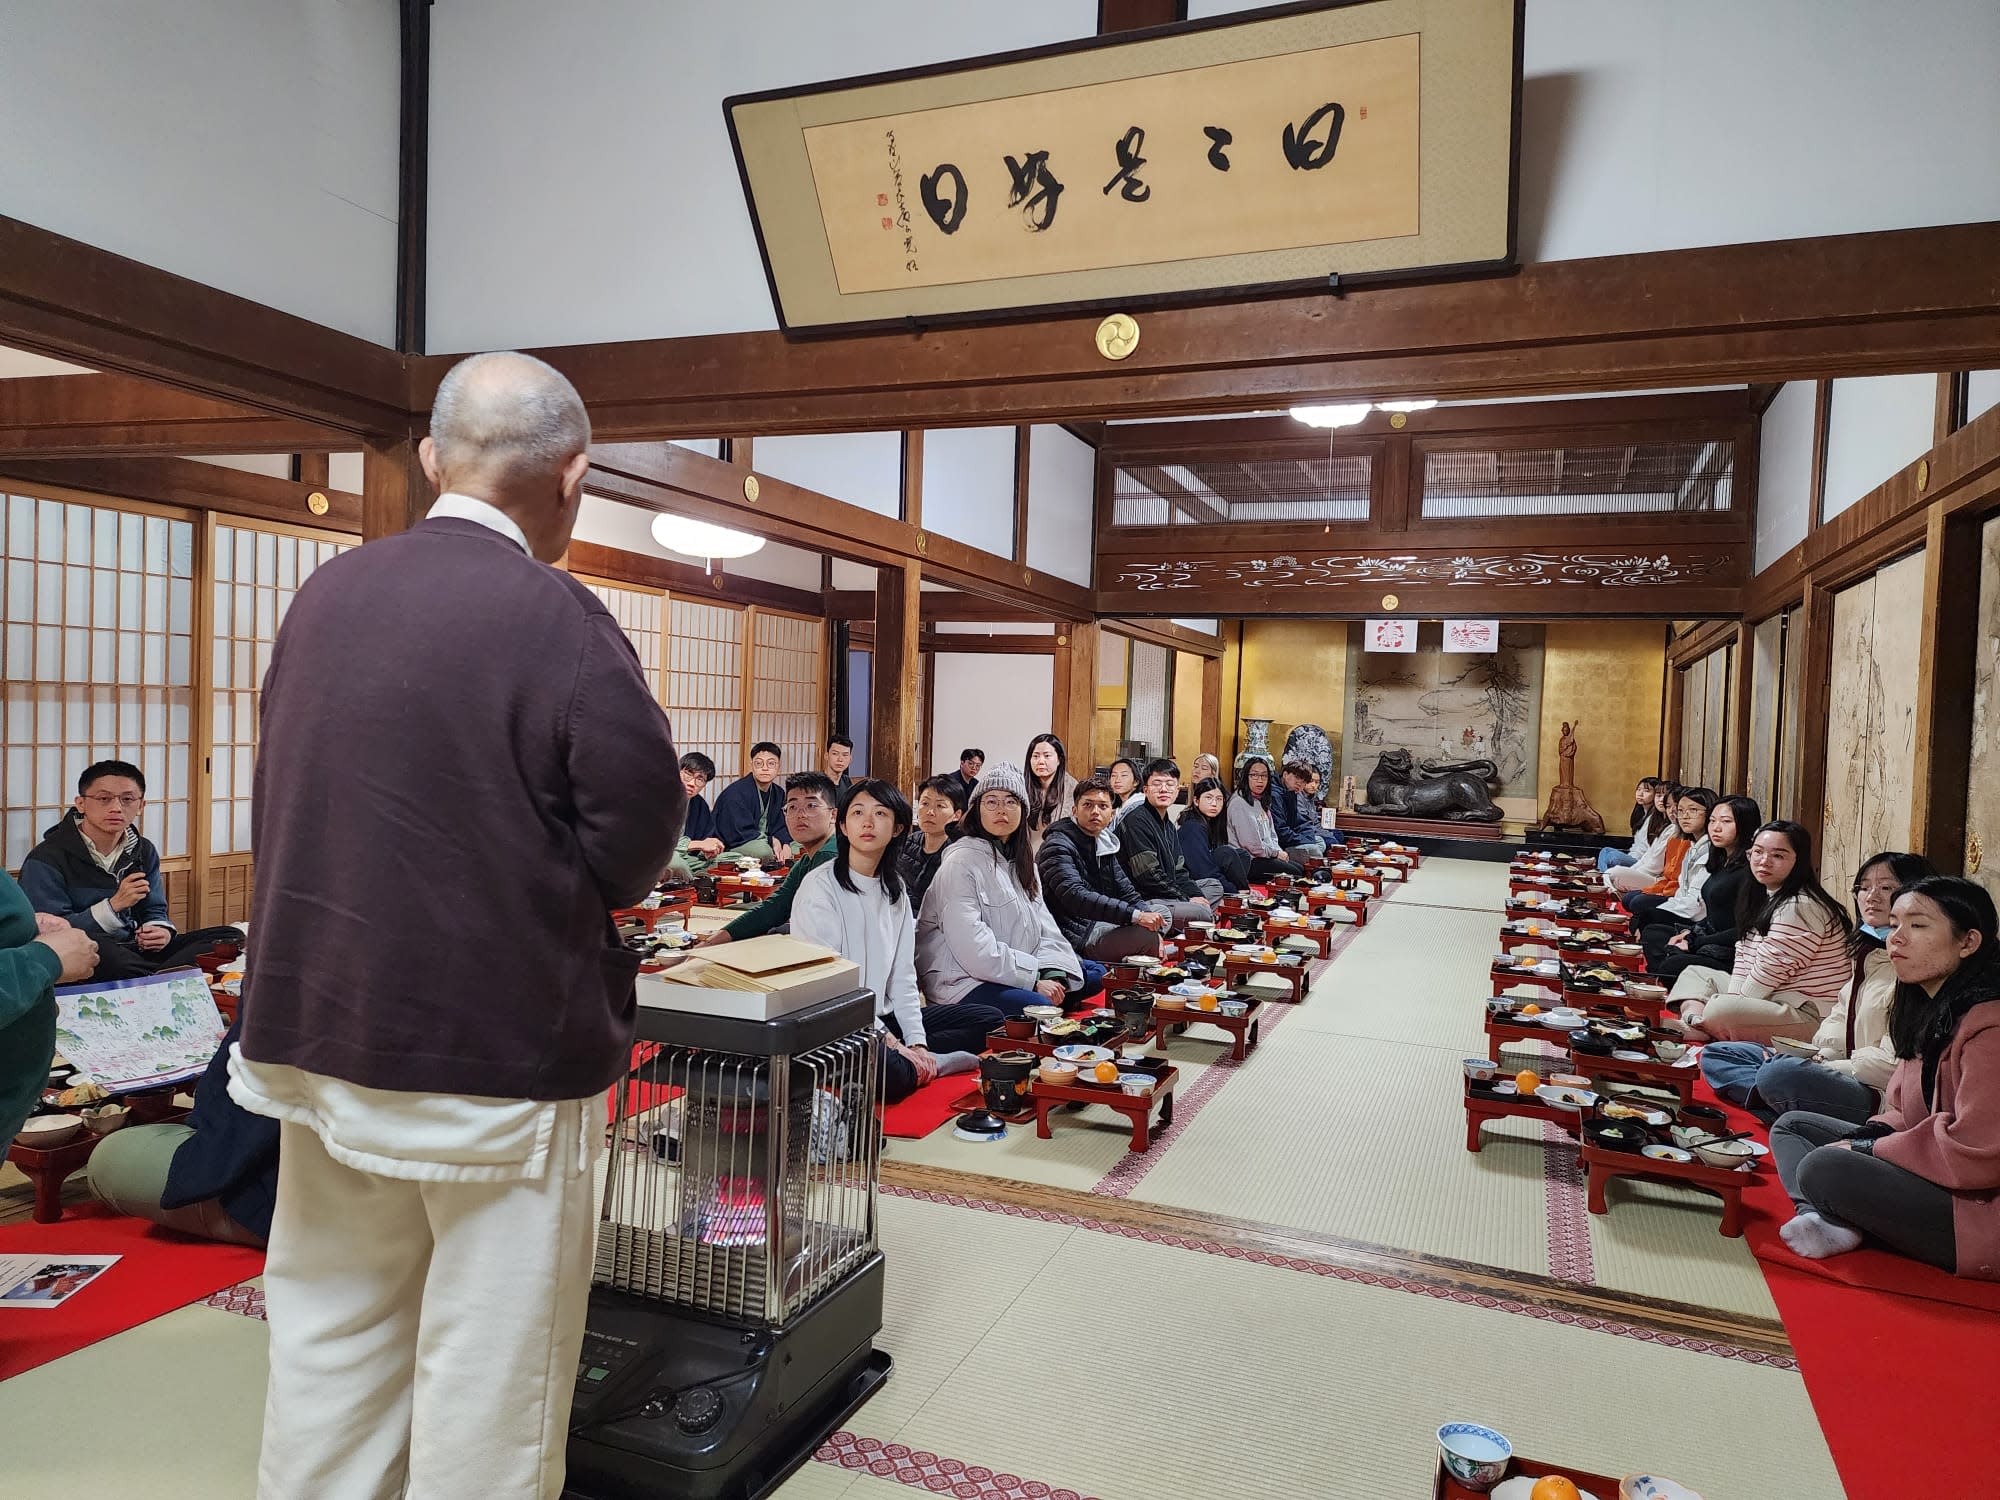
point(697, 1411)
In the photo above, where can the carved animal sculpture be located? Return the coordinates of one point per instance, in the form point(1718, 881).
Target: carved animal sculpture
point(1454, 791)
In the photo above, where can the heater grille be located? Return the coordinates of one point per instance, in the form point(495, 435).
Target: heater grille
point(740, 1185)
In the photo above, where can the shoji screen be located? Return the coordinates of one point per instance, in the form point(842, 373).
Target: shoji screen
point(641, 614)
point(99, 620)
point(786, 700)
point(704, 689)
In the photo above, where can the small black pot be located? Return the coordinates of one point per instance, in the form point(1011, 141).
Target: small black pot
point(1594, 1043)
point(1615, 1135)
point(1003, 1079)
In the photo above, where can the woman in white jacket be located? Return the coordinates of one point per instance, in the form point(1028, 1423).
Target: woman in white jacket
point(855, 904)
point(1251, 827)
point(984, 936)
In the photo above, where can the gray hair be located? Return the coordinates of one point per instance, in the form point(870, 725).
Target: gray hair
point(507, 413)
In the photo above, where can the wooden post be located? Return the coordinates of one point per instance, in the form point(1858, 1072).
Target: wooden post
point(1670, 722)
point(1738, 753)
point(313, 469)
point(394, 492)
point(892, 708)
point(1075, 703)
point(1946, 667)
point(913, 478)
point(1816, 673)
point(1211, 705)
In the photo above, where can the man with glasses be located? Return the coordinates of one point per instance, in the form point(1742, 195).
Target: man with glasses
point(97, 872)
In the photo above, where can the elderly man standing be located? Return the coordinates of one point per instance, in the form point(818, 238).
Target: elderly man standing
point(459, 777)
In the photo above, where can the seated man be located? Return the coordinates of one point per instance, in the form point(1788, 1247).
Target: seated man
point(1150, 849)
point(749, 813)
point(940, 804)
point(1295, 811)
point(214, 1174)
point(699, 846)
point(1086, 888)
point(810, 807)
point(970, 762)
point(835, 760)
point(99, 874)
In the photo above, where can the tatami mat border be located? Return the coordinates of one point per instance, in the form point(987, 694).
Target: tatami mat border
point(1568, 1204)
point(933, 1474)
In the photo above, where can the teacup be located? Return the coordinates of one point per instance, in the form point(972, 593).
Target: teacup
point(1475, 1456)
point(1667, 1051)
point(1481, 1069)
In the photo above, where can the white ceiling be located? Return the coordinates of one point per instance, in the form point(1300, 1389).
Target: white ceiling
point(1232, 416)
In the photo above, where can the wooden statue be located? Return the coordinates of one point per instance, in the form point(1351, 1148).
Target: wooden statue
point(1568, 807)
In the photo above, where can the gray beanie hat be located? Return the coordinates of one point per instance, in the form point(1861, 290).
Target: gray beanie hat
point(1000, 777)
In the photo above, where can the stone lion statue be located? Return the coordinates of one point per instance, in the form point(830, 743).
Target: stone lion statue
point(1455, 791)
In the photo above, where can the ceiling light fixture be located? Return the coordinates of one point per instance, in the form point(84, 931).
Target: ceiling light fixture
point(693, 538)
point(1330, 416)
point(1406, 405)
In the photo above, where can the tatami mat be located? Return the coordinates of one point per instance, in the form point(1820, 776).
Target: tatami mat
point(1454, 882)
point(1261, 1381)
point(1411, 975)
point(1665, 1241)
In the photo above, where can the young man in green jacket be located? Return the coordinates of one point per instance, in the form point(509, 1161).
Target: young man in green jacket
point(810, 804)
point(36, 954)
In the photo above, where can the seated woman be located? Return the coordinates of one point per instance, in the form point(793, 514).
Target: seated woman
point(1051, 789)
point(1646, 824)
point(1852, 1061)
point(1124, 777)
point(857, 906)
point(213, 1175)
point(1791, 952)
point(1251, 828)
point(1683, 902)
point(1218, 867)
point(1650, 865)
point(940, 804)
point(1709, 940)
point(1922, 1177)
point(984, 936)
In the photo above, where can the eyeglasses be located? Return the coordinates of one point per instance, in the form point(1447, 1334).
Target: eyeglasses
point(105, 799)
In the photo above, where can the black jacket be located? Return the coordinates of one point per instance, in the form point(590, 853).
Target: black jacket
point(63, 880)
point(1081, 886)
point(917, 867)
point(1151, 853)
point(232, 1155)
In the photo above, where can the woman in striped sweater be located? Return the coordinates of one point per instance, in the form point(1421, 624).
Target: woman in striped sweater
point(1791, 952)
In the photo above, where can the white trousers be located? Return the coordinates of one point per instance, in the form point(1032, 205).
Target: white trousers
point(424, 1335)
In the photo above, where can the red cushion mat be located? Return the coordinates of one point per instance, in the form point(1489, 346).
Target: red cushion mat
point(160, 1271)
point(1856, 1322)
point(929, 1107)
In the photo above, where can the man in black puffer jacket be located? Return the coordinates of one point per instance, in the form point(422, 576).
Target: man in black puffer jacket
point(1086, 889)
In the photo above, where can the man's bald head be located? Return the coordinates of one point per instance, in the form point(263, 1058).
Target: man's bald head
point(508, 429)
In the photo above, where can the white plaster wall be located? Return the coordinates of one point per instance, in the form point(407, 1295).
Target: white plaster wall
point(1062, 488)
point(995, 627)
point(344, 471)
point(1206, 627)
point(1784, 472)
point(852, 575)
point(613, 523)
point(969, 486)
point(246, 144)
point(862, 468)
point(997, 701)
point(1982, 392)
point(1646, 126)
point(274, 465)
point(1874, 426)
point(794, 567)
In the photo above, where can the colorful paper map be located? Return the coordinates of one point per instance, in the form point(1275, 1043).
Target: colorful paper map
point(135, 1033)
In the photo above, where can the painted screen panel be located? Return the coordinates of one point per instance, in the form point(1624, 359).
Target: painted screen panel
point(1982, 800)
point(1767, 647)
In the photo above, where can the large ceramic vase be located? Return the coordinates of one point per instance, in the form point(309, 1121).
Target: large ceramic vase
point(1258, 743)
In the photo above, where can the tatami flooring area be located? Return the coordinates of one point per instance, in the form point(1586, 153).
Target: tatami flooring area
point(1068, 1345)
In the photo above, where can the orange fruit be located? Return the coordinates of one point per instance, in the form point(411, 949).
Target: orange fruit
point(1531, 1009)
point(1553, 1487)
point(1106, 1072)
point(1527, 1081)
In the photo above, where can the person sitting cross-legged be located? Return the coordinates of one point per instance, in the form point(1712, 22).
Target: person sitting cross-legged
point(1295, 814)
point(96, 871)
point(1150, 848)
point(856, 905)
point(1251, 827)
point(1086, 888)
point(985, 936)
point(940, 804)
point(1217, 867)
point(749, 815)
point(810, 801)
point(699, 846)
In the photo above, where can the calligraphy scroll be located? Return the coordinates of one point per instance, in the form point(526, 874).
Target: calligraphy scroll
point(1368, 139)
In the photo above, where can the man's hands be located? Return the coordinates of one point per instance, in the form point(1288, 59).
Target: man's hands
point(153, 937)
point(1678, 940)
point(1052, 988)
point(1152, 921)
point(1203, 903)
point(706, 848)
point(133, 889)
point(77, 952)
point(782, 853)
point(45, 923)
point(921, 1058)
point(720, 935)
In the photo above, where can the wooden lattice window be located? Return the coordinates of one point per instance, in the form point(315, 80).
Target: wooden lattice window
point(704, 682)
point(785, 693)
point(641, 614)
point(99, 619)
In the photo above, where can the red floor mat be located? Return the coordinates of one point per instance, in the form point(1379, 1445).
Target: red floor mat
point(929, 1107)
point(160, 1272)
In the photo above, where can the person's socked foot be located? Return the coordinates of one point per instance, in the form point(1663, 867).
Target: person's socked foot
point(1815, 1238)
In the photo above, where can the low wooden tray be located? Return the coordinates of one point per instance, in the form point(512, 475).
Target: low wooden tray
point(1603, 1165)
point(1479, 1109)
point(1601, 1485)
point(1138, 1108)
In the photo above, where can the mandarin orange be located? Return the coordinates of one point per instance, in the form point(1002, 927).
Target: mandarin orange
point(1527, 1080)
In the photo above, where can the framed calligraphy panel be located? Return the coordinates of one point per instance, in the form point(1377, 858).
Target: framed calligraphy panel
point(1269, 150)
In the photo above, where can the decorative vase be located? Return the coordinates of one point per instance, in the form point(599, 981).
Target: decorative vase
point(1259, 742)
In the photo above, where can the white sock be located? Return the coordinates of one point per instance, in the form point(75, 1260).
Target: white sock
point(1815, 1238)
point(956, 1062)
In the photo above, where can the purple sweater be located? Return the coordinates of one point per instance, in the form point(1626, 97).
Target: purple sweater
point(461, 771)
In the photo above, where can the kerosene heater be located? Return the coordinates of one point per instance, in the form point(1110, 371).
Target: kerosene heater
point(738, 1286)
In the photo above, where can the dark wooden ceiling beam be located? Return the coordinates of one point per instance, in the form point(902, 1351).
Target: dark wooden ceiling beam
point(690, 581)
point(104, 416)
point(193, 485)
point(1902, 300)
point(75, 302)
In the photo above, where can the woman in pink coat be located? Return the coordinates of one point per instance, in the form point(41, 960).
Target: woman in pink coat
point(1922, 1178)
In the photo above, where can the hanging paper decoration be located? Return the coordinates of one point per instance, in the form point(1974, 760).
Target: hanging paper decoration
point(1390, 635)
point(1472, 635)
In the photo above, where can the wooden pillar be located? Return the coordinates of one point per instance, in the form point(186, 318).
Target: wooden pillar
point(1738, 774)
point(892, 706)
point(1815, 678)
point(313, 469)
point(394, 492)
point(1670, 721)
point(1211, 706)
point(1075, 706)
point(1946, 667)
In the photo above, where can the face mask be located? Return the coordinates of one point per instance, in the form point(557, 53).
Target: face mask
point(1880, 934)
